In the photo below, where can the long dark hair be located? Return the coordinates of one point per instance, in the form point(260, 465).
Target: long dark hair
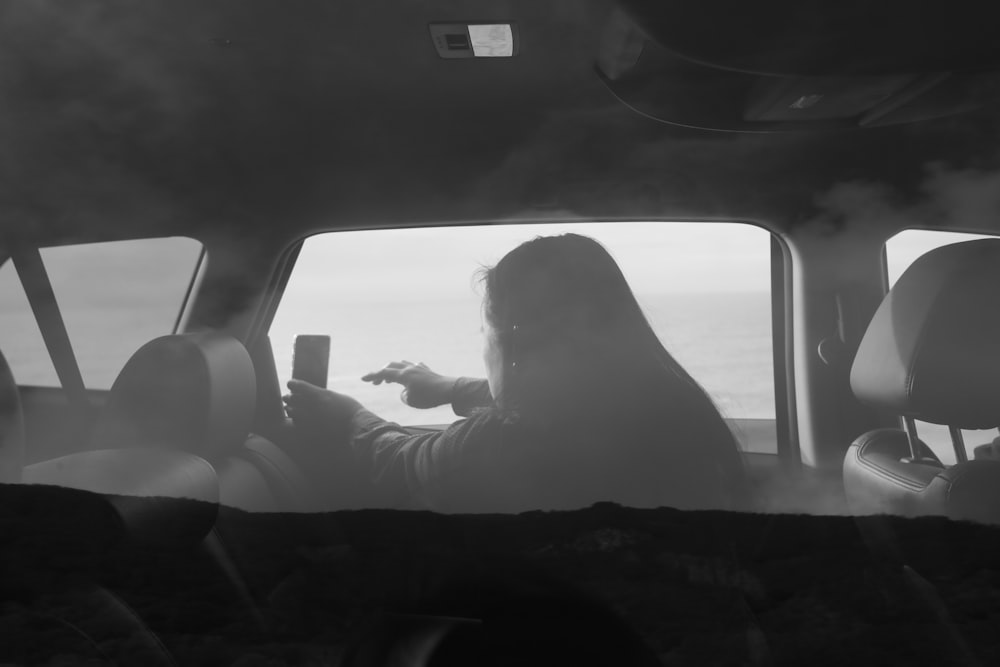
point(578, 349)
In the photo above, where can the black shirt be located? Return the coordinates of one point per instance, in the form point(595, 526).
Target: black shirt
point(491, 461)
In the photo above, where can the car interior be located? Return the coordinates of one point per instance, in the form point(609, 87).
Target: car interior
point(187, 185)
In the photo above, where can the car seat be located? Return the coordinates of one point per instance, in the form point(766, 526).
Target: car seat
point(55, 612)
point(197, 393)
point(931, 353)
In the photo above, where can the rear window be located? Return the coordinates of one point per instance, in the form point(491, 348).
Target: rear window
point(900, 251)
point(113, 298)
point(386, 295)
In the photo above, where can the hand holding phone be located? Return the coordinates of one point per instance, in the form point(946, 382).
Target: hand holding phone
point(311, 359)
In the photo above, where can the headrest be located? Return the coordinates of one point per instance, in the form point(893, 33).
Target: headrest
point(11, 426)
point(932, 351)
point(157, 496)
point(192, 392)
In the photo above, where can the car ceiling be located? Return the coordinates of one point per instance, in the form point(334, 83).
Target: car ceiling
point(274, 118)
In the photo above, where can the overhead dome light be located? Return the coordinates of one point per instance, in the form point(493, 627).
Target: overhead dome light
point(475, 40)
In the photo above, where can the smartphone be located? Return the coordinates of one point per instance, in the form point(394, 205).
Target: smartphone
point(311, 359)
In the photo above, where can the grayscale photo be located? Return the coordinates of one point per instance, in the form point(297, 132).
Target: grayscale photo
point(412, 333)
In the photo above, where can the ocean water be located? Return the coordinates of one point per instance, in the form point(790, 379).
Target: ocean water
point(722, 339)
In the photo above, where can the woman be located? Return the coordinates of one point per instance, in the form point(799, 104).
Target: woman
point(581, 404)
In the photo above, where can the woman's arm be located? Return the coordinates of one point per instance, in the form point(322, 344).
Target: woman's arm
point(455, 467)
point(423, 388)
point(434, 470)
point(467, 394)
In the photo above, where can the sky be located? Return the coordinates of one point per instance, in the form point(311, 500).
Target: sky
point(655, 257)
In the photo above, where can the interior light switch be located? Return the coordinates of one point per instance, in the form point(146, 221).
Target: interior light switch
point(475, 40)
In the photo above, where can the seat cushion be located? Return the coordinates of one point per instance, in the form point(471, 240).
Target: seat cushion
point(261, 477)
point(157, 495)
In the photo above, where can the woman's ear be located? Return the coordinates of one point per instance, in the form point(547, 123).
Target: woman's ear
point(512, 347)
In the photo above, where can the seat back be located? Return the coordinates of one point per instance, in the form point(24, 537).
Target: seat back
point(931, 353)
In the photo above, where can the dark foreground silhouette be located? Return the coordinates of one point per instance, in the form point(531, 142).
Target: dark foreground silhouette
point(606, 585)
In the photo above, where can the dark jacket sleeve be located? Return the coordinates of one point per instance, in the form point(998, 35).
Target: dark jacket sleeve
point(469, 394)
point(433, 470)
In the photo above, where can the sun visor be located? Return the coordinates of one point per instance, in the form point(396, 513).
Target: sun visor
point(723, 65)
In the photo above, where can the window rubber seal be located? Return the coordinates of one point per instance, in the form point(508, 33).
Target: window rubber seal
point(782, 349)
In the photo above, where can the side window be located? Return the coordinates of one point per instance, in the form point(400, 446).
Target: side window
point(900, 251)
point(386, 295)
point(113, 297)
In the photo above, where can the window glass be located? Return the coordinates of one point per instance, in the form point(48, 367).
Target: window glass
point(113, 298)
point(410, 294)
point(901, 251)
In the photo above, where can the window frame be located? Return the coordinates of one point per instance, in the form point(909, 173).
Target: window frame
point(781, 288)
point(192, 291)
point(783, 351)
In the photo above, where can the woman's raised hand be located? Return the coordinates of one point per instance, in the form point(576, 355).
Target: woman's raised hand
point(317, 411)
point(422, 387)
